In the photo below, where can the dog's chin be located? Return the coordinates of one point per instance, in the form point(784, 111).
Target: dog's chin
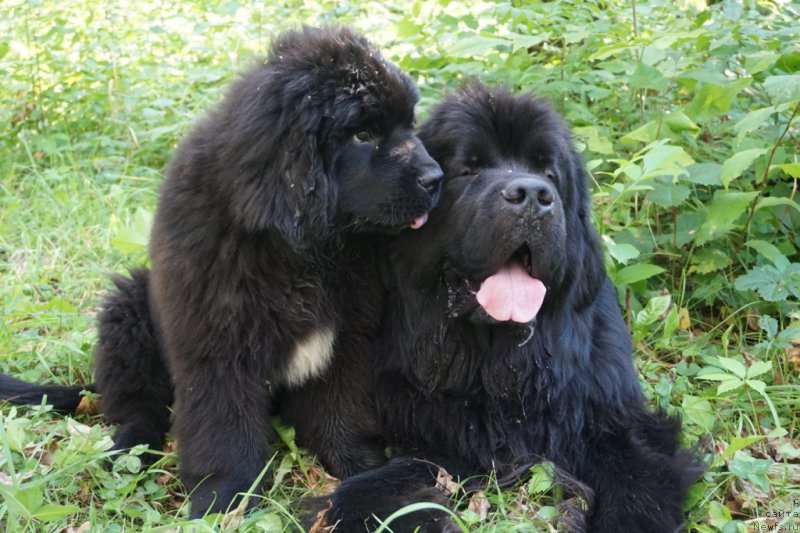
point(363, 224)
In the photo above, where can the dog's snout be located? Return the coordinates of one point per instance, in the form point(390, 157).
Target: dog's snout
point(430, 178)
point(529, 195)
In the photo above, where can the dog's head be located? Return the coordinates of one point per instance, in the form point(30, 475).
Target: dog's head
point(322, 140)
point(512, 232)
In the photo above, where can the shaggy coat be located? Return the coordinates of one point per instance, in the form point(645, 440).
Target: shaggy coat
point(263, 268)
point(256, 249)
point(468, 379)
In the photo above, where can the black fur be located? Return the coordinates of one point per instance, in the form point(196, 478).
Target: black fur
point(263, 254)
point(64, 399)
point(130, 369)
point(459, 389)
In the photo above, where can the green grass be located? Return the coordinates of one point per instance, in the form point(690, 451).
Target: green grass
point(686, 117)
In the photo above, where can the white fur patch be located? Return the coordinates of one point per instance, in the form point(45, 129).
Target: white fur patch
point(311, 357)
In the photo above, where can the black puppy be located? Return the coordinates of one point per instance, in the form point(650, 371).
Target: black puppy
point(503, 343)
point(263, 277)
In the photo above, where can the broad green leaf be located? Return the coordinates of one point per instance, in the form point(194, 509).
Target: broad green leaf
point(704, 75)
point(519, 40)
point(647, 77)
point(654, 309)
point(635, 273)
point(740, 443)
point(678, 121)
point(785, 88)
point(665, 160)
point(714, 100)
point(643, 134)
point(732, 365)
point(408, 28)
point(768, 281)
point(720, 517)
point(470, 517)
point(13, 504)
point(134, 238)
point(777, 433)
point(548, 512)
point(51, 513)
point(671, 323)
point(791, 274)
point(16, 433)
point(789, 61)
point(718, 376)
point(594, 140)
point(29, 499)
point(733, 167)
point(476, 45)
point(268, 523)
point(754, 120)
point(670, 37)
point(541, 478)
point(707, 260)
point(760, 61)
point(704, 174)
point(757, 385)
point(58, 305)
point(726, 207)
point(770, 251)
point(286, 434)
point(698, 411)
point(775, 201)
point(622, 252)
point(769, 325)
point(758, 368)
point(610, 50)
point(668, 195)
point(729, 385)
point(633, 171)
point(792, 169)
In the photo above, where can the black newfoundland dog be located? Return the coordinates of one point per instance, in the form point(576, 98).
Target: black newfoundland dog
point(503, 343)
point(263, 268)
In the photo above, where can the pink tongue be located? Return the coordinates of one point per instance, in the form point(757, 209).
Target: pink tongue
point(419, 221)
point(511, 294)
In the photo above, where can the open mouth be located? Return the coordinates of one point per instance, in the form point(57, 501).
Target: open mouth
point(523, 257)
point(513, 294)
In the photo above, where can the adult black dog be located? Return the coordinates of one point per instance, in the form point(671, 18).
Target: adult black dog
point(503, 342)
point(261, 269)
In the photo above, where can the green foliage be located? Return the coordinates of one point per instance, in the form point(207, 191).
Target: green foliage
point(686, 115)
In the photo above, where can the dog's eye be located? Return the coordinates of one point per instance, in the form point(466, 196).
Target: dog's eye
point(549, 174)
point(362, 136)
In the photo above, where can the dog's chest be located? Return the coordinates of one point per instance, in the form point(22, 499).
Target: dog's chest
point(310, 357)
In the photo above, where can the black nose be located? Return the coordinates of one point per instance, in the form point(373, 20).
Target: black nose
point(529, 195)
point(430, 179)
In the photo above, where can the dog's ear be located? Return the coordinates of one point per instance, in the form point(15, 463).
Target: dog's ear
point(586, 272)
point(273, 153)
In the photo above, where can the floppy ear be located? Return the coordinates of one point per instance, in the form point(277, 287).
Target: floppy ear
point(288, 192)
point(587, 272)
point(279, 178)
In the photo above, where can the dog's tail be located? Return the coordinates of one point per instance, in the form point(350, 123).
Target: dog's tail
point(63, 398)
